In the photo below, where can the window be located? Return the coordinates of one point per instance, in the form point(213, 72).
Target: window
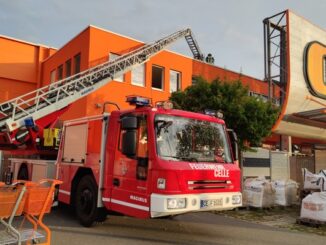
point(77, 64)
point(138, 75)
point(157, 77)
point(324, 69)
point(142, 147)
point(60, 72)
point(52, 76)
point(193, 80)
point(175, 81)
point(262, 97)
point(139, 159)
point(185, 139)
point(68, 68)
point(112, 57)
point(76, 136)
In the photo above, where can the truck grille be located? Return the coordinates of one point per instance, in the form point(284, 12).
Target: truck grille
point(209, 184)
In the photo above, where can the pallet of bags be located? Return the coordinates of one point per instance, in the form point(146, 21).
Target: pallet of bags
point(322, 180)
point(286, 192)
point(313, 181)
point(313, 208)
point(258, 192)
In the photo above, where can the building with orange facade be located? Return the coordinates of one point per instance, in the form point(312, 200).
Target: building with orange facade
point(20, 66)
point(26, 66)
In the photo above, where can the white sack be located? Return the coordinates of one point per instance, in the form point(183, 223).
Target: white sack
point(285, 192)
point(258, 192)
point(322, 180)
point(310, 180)
point(314, 207)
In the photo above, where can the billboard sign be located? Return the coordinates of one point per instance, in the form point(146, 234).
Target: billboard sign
point(304, 109)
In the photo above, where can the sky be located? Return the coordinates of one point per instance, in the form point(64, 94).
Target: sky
point(231, 30)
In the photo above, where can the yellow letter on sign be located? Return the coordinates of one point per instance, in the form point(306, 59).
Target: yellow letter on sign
point(314, 66)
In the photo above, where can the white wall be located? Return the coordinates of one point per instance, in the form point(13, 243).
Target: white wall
point(279, 164)
point(280, 167)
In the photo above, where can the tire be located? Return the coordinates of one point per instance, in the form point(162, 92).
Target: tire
point(101, 214)
point(86, 201)
point(23, 172)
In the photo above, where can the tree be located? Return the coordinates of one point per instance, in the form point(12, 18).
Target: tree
point(250, 117)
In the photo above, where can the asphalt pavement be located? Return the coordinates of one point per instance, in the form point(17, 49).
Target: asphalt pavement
point(193, 228)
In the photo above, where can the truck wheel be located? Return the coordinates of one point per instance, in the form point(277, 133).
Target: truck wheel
point(86, 201)
point(101, 214)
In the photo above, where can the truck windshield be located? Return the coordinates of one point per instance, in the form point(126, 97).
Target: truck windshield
point(185, 139)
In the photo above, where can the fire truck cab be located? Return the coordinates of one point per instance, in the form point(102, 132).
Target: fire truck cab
point(147, 162)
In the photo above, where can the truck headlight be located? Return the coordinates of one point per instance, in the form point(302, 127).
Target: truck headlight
point(236, 199)
point(176, 203)
point(161, 183)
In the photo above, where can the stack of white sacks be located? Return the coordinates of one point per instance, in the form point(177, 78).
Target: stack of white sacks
point(258, 192)
point(313, 206)
point(262, 193)
point(286, 192)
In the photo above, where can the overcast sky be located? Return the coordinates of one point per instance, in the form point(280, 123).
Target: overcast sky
point(231, 30)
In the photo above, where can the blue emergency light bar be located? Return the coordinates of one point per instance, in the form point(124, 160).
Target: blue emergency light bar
point(210, 112)
point(214, 113)
point(138, 101)
point(29, 122)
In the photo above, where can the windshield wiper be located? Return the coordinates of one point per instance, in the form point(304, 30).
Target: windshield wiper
point(190, 159)
point(164, 125)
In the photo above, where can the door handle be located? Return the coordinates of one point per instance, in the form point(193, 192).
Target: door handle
point(116, 182)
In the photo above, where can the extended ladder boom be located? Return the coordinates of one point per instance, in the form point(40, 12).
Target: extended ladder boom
point(58, 95)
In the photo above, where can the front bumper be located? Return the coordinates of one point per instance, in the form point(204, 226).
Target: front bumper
point(194, 203)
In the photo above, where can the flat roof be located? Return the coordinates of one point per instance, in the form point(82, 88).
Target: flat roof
point(25, 42)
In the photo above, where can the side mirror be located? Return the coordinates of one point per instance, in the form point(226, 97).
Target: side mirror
point(234, 143)
point(129, 123)
point(129, 142)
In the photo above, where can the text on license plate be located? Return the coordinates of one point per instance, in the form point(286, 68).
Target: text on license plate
point(211, 203)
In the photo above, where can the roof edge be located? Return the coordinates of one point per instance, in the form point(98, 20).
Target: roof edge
point(25, 42)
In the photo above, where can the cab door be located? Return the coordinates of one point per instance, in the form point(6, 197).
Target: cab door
point(130, 171)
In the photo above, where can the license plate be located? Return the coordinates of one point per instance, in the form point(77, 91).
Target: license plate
point(209, 203)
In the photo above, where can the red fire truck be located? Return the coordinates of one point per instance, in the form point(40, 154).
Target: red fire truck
point(147, 162)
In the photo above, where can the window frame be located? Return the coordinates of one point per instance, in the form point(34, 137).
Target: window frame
point(162, 78)
point(60, 72)
point(77, 57)
point(178, 82)
point(68, 64)
point(111, 57)
point(193, 80)
point(324, 69)
point(53, 76)
point(143, 76)
point(140, 116)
